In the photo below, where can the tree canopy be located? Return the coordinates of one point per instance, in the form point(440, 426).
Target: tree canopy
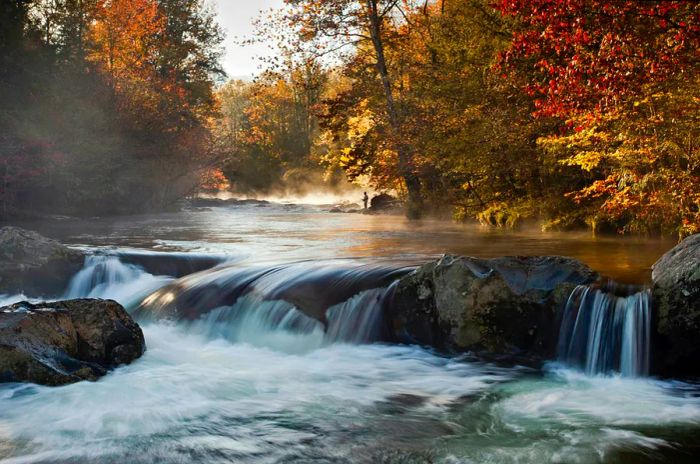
point(573, 112)
point(569, 112)
point(107, 105)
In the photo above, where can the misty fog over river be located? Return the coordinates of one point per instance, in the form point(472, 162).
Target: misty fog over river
point(256, 383)
point(280, 231)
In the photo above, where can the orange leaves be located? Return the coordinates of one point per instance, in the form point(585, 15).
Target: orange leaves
point(124, 44)
point(125, 37)
point(128, 40)
point(213, 180)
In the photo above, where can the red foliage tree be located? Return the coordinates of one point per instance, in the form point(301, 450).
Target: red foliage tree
point(587, 54)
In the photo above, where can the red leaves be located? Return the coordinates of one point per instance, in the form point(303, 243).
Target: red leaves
point(588, 53)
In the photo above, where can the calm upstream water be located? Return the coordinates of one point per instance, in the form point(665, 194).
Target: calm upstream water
point(292, 232)
point(255, 381)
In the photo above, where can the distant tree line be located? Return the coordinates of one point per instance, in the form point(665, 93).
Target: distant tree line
point(574, 112)
point(106, 106)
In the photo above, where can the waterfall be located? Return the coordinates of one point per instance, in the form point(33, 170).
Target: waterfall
point(310, 302)
point(107, 277)
point(359, 319)
point(603, 333)
point(280, 325)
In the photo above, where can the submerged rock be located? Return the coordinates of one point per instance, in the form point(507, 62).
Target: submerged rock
point(173, 264)
point(502, 305)
point(66, 341)
point(676, 278)
point(33, 264)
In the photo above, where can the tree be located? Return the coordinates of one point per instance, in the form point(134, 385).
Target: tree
point(332, 26)
point(106, 106)
point(622, 79)
point(271, 127)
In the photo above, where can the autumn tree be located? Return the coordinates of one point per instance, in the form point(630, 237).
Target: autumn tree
point(110, 102)
point(271, 126)
point(361, 26)
point(622, 79)
point(470, 130)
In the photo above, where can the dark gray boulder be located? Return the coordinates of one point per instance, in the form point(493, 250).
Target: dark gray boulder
point(506, 305)
point(170, 263)
point(35, 265)
point(66, 341)
point(384, 204)
point(676, 291)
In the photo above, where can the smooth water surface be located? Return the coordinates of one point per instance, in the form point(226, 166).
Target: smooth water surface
point(307, 231)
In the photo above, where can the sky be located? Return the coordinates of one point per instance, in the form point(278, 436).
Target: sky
point(235, 17)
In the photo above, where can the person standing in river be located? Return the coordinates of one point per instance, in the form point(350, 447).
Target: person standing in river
point(365, 199)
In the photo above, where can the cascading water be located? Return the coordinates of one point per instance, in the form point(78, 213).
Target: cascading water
point(271, 363)
point(105, 276)
point(602, 332)
point(359, 319)
point(293, 307)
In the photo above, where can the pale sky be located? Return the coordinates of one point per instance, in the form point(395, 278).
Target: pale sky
point(235, 17)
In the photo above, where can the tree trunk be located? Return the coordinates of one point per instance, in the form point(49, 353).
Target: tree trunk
point(413, 187)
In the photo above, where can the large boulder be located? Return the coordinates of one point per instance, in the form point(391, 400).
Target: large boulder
point(66, 341)
point(35, 265)
point(506, 305)
point(384, 204)
point(676, 291)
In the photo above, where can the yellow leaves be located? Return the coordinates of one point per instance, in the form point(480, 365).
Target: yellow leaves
point(587, 160)
point(345, 158)
point(359, 126)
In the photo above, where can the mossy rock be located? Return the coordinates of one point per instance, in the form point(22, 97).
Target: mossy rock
point(502, 305)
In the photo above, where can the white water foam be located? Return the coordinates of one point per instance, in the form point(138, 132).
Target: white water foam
point(107, 277)
point(248, 403)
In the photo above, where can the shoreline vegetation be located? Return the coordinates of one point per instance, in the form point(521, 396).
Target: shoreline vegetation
point(574, 114)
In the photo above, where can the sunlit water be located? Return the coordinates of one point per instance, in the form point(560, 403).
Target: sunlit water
point(291, 231)
point(251, 389)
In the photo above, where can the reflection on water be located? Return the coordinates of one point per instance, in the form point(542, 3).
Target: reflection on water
point(299, 232)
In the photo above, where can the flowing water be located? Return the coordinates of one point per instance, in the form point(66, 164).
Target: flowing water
point(603, 333)
point(244, 363)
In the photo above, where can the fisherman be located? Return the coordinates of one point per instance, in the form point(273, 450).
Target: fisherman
point(365, 199)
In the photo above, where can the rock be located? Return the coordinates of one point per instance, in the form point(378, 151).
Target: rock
point(172, 264)
point(335, 210)
point(218, 202)
point(384, 204)
point(66, 341)
point(676, 292)
point(504, 305)
point(35, 265)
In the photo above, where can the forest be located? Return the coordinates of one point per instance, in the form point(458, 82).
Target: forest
point(572, 113)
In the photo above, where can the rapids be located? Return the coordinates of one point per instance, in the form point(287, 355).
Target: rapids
point(266, 347)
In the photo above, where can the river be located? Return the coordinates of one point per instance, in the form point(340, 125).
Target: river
point(273, 388)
